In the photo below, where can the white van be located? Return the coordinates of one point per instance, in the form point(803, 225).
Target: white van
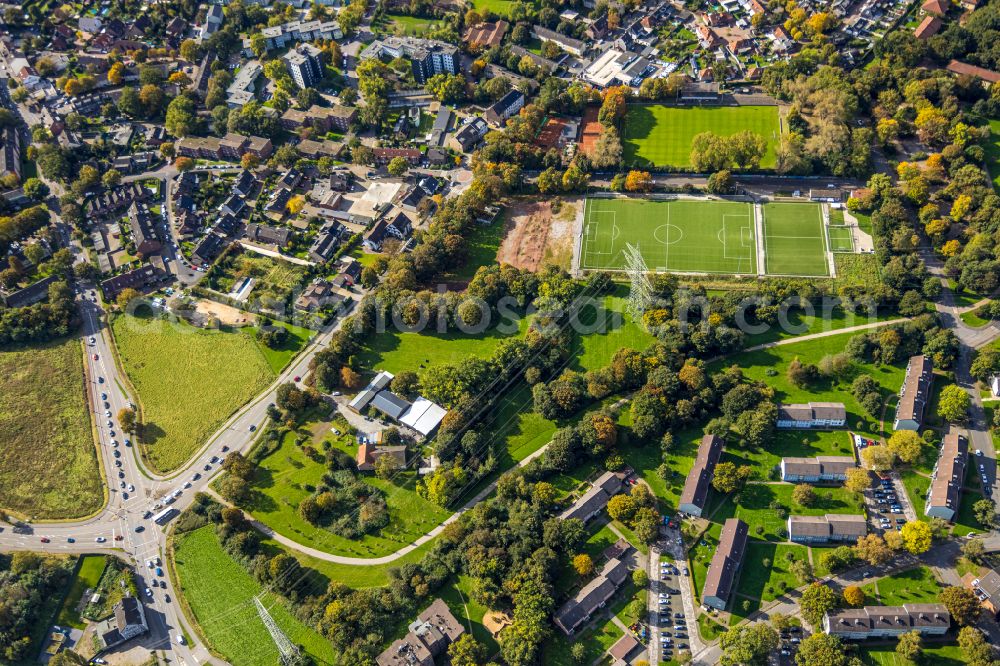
point(180, 640)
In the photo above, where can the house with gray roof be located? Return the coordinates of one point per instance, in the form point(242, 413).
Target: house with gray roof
point(591, 597)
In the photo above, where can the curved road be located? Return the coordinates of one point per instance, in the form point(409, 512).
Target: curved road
point(122, 528)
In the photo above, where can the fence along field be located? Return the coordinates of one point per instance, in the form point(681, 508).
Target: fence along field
point(673, 236)
point(707, 236)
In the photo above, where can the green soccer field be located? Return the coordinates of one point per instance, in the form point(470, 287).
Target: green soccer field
point(678, 236)
point(841, 239)
point(656, 135)
point(794, 240)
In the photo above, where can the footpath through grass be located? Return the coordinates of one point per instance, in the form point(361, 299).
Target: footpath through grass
point(220, 594)
point(189, 381)
point(284, 478)
point(48, 461)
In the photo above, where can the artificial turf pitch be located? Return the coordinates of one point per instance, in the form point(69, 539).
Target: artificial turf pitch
point(679, 236)
point(794, 240)
point(656, 135)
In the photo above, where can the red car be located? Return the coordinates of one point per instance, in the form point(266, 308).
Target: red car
point(297, 378)
point(95, 357)
point(119, 538)
point(45, 539)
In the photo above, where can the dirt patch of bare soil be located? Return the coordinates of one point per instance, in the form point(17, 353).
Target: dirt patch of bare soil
point(227, 315)
point(539, 232)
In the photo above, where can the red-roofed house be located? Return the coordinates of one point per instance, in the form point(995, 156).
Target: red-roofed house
point(929, 27)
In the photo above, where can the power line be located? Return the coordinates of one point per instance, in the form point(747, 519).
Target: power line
point(290, 654)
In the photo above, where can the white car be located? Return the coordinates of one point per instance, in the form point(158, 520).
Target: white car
point(100, 539)
point(131, 488)
point(93, 340)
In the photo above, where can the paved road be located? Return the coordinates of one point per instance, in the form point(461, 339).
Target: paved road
point(122, 527)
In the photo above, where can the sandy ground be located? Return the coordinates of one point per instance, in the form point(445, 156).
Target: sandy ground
point(534, 235)
point(227, 315)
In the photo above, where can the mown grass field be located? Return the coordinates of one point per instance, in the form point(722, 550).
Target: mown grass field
point(279, 357)
point(794, 240)
point(189, 381)
point(48, 461)
point(656, 135)
point(88, 575)
point(916, 586)
point(220, 594)
point(283, 480)
point(934, 655)
point(764, 583)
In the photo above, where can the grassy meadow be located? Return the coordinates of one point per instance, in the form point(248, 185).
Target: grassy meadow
point(48, 464)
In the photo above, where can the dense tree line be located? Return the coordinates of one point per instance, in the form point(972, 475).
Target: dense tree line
point(41, 321)
point(27, 581)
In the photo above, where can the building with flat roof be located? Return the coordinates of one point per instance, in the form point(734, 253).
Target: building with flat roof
point(304, 65)
point(695, 492)
point(725, 564)
point(945, 492)
point(873, 622)
point(427, 56)
point(914, 393)
point(823, 529)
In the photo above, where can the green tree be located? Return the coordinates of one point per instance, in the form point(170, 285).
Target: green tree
point(748, 644)
point(126, 418)
point(821, 649)
point(907, 445)
point(729, 477)
point(804, 495)
point(467, 651)
point(182, 118)
point(953, 404)
point(816, 600)
point(910, 646)
point(35, 189)
point(398, 166)
point(962, 603)
point(985, 512)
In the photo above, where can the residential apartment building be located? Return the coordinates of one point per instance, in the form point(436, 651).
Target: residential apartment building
point(914, 393)
point(429, 637)
point(695, 493)
point(427, 56)
point(595, 499)
point(823, 529)
point(592, 596)
point(505, 107)
point(143, 228)
point(812, 415)
point(945, 493)
point(725, 564)
point(304, 65)
point(321, 118)
point(873, 622)
point(816, 470)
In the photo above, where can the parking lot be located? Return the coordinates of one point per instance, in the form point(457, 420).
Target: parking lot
point(789, 645)
point(885, 504)
point(670, 627)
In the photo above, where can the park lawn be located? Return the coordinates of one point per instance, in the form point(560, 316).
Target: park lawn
point(189, 382)
point(396, 351)
point(760, 582)
point(916, 486)
point(48, 464)
point(88, 575)
point(596, 638)
point(755, 510)
point(606, 331)
point(708, 628)
point(972, 319)
point(219, 593)
point(965, 519)
point(792, 443)
point(636, 609)
point(413, 26)
point(283, 481)
point(915, 586)
point(933, 655)
point(658, 135)
point(756, 364)
point(457, 593)
point(481, 246)
point(277, 358)
point(802, 323)
point(501, 7)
